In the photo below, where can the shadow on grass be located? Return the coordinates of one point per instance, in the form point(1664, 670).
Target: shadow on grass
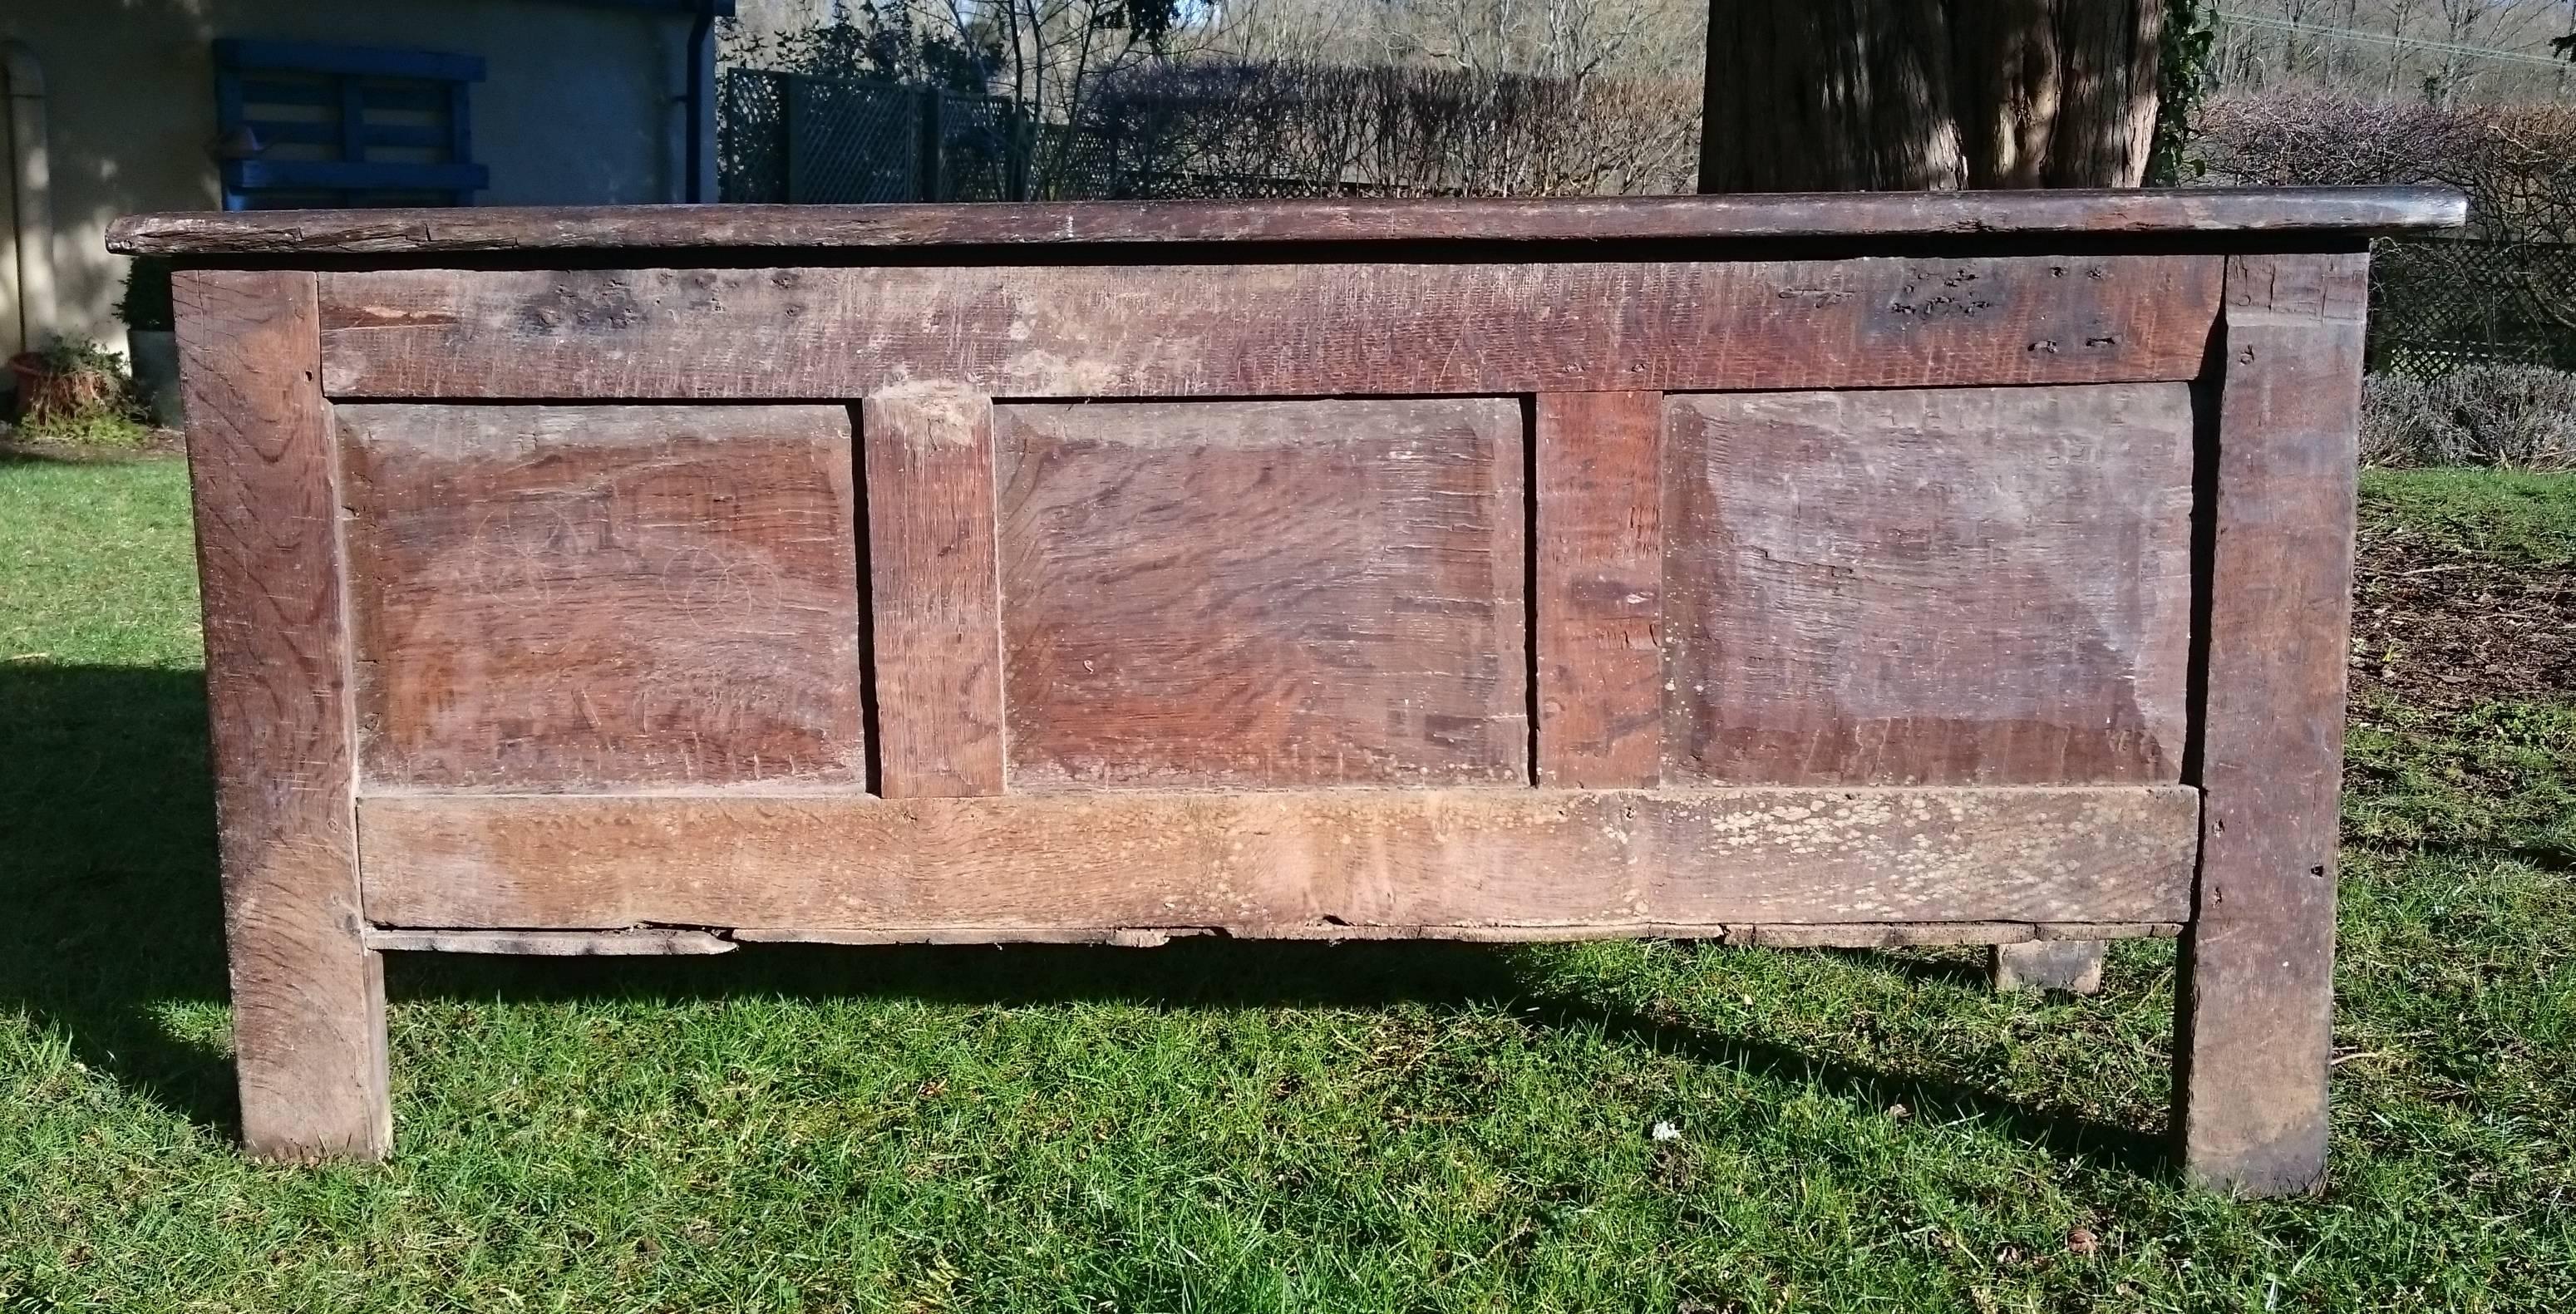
point(1936, 1100)
point(107, 862)
point(1920, 971)
point(107, 824)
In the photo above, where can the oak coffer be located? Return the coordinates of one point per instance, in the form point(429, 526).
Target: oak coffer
point(1780, 570)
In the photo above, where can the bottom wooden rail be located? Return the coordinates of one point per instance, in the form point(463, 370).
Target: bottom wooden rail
point(635, 942)
point(1772, 865)
point(664, 941)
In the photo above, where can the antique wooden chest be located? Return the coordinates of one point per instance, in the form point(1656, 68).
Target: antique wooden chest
point(1781, 570)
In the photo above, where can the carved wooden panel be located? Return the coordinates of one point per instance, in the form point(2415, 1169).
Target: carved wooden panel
point(589, 597)
point(1965, 586)
point(1264, 593)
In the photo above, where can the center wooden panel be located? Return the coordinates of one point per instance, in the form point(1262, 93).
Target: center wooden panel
point(1947, 586)
point(579, 598)
point(1264, 594)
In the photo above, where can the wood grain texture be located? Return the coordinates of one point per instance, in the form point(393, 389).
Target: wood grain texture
point(307, 993)
point(592, 597)
point(1265, 594)
point(1599, 608)
point(2074, 966)
point(1265, 330)
point(1988, 586)
point(1845, 935)
point(2357, 210)
point(1114, 937)
point(2255, 996)
point(1903, 935)
point(635, 942)
point(1264, 863)
point(936, 596)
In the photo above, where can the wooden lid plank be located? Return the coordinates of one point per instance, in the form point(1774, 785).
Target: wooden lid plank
point(2349, 210)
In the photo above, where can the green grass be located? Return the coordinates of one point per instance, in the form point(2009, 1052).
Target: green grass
point(2512, 517)
point(1217, 1127)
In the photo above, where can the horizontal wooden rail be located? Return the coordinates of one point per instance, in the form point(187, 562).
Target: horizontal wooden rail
point(637, 942)
point(665, 941)
point(1844, 935)
point(1589, 220)
point(1266, 330)
point(1287, 863)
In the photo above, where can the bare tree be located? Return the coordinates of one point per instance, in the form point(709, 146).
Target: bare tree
point(1051, 56)
point(2438, 50)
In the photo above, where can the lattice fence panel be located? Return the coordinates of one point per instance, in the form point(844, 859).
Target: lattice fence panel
point(796, 137)
point(751, 136)
point(982, 149)
point(2436, 305)
point(850, 141)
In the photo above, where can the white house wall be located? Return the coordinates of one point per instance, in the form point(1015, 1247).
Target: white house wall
point(580, 104)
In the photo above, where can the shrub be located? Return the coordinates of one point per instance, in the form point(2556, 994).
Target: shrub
point(145, 304)
point(2517, 417)
point(1265, 126)
point(76, 391)
point(2517, 163)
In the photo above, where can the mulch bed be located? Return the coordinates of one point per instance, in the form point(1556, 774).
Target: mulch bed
point(2440, 628)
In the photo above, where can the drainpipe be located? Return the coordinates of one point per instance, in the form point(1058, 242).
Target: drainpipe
point(701, 96)
point(30, 248)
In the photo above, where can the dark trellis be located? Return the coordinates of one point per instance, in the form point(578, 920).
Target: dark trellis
point(2436, 305)
point(799, 138)
point(751, 136)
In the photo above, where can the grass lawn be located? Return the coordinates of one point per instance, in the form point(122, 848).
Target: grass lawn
point(1220, 1127)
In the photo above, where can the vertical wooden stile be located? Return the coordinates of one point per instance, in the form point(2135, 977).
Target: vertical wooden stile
point(308, 995)
point(2255, 1001)
point(935, 591)
point(1598, 589)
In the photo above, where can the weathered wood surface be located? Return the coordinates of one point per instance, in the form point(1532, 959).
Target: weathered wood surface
point(2356, 210)
point(2255, 1003)
point(1253, 330)
point(1911, 664)
point(590, 597)
point(1901, 935)
point(1846, 935)
point(307, 993)
point(635, 942)
point(1599, 612)
point(936, 591)
point(1279, 862)
point(2058, 964)
point(1976, 586)
point(1116, 937)
point(1264, 594)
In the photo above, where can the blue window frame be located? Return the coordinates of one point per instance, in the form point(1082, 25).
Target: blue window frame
point(308, 125)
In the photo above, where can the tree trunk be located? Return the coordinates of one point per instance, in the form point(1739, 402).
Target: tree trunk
point(1906, 95)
